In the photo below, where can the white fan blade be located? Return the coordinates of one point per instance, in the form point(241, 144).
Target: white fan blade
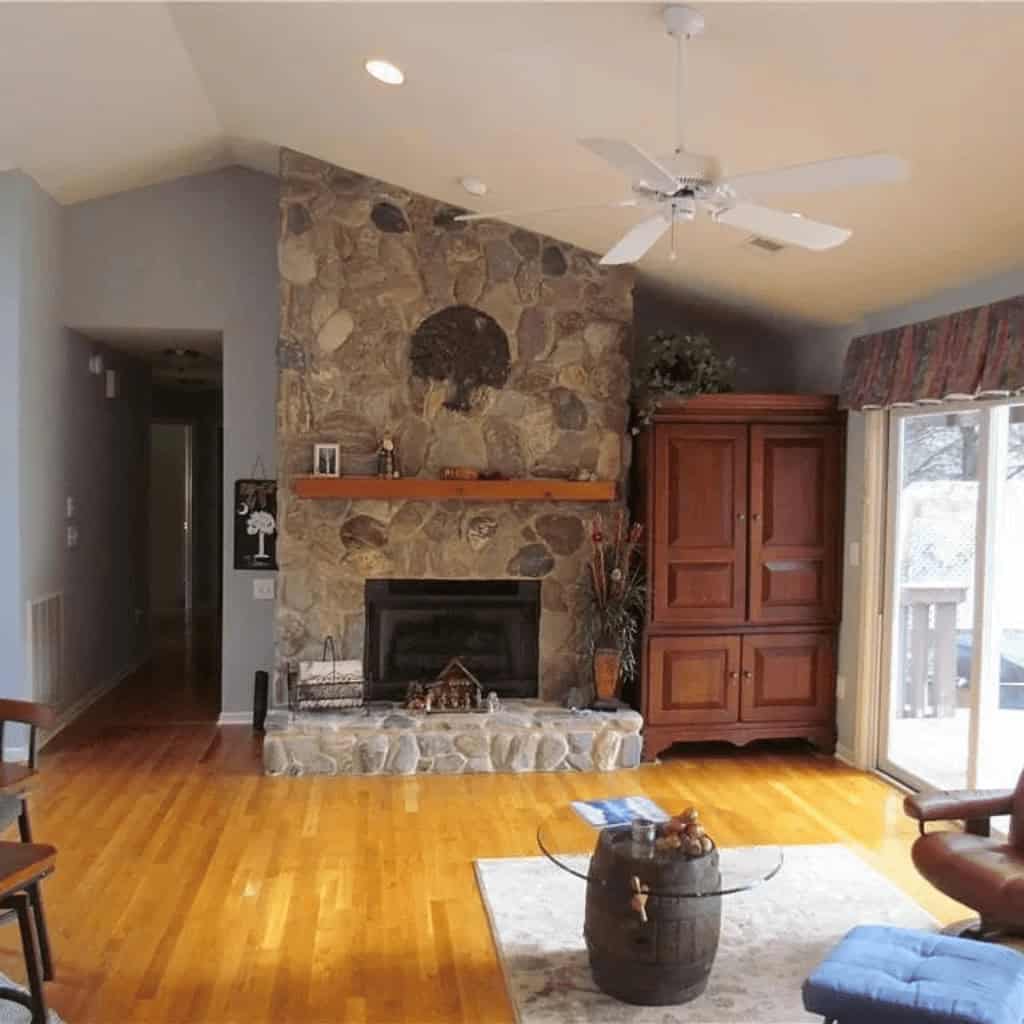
point(636, 241)
point(554, 209)
point(876, 168)
point(625, 157)
point(787, 228)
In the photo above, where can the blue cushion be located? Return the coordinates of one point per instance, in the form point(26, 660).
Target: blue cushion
point(881, 975)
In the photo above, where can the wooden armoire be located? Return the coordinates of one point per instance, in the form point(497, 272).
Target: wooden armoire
point(742, 500)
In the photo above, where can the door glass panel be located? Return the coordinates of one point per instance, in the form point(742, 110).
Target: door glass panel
point(933, 600)
point(1001, 750)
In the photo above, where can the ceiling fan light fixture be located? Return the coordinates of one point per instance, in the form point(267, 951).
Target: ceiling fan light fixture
point(384, 71)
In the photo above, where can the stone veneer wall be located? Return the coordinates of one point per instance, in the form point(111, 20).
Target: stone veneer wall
point(362, 265)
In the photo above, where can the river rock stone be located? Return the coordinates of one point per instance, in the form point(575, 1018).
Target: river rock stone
point(570, 412)
point(606, 750)
point(372, 752)
point(551, 752)
point(364, 530)
point(532, 561)
point(403, 756)
point(553, 262)
point(562, 534)
point(389, 218)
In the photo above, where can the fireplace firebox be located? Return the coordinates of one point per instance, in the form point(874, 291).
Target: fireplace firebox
point(415, 627)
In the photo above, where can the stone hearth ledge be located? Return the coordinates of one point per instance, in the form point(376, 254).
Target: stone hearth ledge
point(524, 736)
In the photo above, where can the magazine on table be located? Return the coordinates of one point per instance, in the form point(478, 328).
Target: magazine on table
point(618, 811)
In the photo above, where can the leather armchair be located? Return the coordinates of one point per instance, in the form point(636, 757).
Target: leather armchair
point(970, 866)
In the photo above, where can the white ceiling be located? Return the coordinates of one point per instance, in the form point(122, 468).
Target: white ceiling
point(96, 98)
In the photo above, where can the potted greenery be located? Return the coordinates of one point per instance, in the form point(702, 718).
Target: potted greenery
point(613, 604)
point(676, 366)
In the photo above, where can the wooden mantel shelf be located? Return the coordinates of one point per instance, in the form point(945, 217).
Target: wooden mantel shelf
point(425, 489)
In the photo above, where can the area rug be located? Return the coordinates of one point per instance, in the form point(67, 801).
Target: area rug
point(14, 1013)
point(772, 938)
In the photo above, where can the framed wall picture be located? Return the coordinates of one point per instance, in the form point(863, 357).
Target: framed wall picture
point(255, 524)
point(326, 460)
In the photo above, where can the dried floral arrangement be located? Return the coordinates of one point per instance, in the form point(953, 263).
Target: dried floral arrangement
point(614, 589)
point(676, 366)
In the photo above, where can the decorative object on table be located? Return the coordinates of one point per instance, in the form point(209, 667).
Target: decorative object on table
point(328, 684)
point(326, 460)
point(620, 810)
point(454, 689)
point(255, 524)
point(686, 834)
point(459, 473)
point(584, 476)
point(387, 459)
point(613, 606)
point(676, 366)
point(493, 702)
point(536, 917)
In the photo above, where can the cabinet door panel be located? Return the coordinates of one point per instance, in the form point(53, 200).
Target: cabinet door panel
point(693, 679)
point(795, 523)
point(788, 677)
point(700, 529)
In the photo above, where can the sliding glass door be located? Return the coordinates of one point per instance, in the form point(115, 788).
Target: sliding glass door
point(954, 699)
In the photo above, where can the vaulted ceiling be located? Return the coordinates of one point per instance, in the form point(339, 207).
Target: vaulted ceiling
point(96, 98)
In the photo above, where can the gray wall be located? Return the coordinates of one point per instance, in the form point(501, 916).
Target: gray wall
point(60, 437)
point(197, 254)
point(763, 349)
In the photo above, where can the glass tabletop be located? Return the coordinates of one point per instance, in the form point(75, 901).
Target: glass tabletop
point(570, 843)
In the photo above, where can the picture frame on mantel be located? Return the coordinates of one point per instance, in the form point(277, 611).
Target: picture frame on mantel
point(256, 524)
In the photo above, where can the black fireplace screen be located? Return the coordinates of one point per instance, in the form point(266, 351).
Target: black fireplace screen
point(415, 627)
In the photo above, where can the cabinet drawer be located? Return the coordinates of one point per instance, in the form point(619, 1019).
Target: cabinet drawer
point(693, 679)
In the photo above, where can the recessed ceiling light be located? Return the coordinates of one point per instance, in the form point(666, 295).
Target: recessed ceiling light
point(386, 72)
point(474, 186)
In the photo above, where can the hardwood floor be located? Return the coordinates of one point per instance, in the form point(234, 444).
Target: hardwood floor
point(190, 888)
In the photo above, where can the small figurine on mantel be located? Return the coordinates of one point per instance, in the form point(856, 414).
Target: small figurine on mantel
point(387, 459)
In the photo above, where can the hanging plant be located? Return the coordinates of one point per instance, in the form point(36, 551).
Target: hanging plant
point(676, 366)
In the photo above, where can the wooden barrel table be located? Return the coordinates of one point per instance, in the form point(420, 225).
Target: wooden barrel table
point(667, 959)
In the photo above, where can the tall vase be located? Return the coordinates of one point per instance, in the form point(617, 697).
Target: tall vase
point(607, 670)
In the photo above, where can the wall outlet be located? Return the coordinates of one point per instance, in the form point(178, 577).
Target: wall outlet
point(854, 553)
point(263, 589)
point(72, 537)
point(69, 507)
point(840, 687)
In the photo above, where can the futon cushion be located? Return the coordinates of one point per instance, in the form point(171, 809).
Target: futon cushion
point(881, 975)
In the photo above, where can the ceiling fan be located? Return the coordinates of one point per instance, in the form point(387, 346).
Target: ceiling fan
point(678, 187)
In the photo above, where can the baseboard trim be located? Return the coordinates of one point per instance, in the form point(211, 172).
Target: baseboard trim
point(80, 706)
point(235, 718)
point(845, 754)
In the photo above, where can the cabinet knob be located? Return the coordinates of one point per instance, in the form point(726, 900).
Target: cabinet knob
point(741, 516)
point(734, 676)
point(756, 516)
point(748, 675)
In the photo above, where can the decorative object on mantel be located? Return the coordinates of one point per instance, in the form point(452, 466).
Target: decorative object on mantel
point(328, 684)
point(459, 473)
point(255, 524)
point(387, 459)
point(676, 366)
point(327, 460)
point(613, 605)
point(454, 689)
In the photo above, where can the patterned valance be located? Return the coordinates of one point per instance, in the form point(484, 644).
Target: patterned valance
point(976, 353)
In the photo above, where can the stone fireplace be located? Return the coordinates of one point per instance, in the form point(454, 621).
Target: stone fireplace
point(415, 627)
point(474, 345)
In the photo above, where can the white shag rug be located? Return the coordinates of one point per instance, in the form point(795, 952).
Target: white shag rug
point(772, 938)
point(15, 1013)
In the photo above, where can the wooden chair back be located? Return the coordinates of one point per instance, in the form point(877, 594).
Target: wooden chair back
point(27, 712)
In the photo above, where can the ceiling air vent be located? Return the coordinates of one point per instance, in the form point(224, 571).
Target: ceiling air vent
point(766, 244)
